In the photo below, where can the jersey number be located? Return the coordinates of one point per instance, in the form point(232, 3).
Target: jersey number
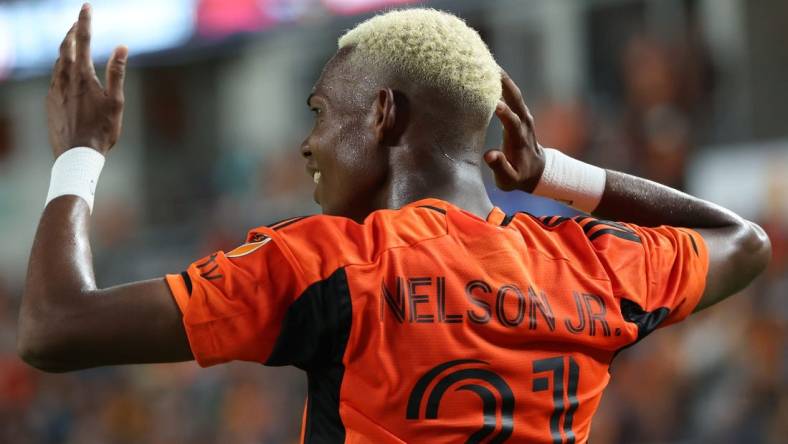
point(498, 428)
point(556, 368)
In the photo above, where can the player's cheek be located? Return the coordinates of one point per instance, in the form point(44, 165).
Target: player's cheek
point(344, 169)
point(334, 173)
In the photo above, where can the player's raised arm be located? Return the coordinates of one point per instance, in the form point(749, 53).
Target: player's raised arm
point(738, 249)
point(65, 322)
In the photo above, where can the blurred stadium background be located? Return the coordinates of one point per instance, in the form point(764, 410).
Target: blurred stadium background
point(690, 93)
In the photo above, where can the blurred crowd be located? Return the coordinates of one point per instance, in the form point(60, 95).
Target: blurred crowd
point(721, 377)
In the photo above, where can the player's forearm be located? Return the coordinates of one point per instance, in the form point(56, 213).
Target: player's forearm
point(640, 201)
point(739, 250)
point(60, 279)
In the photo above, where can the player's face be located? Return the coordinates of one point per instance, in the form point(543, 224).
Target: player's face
point(343, 156)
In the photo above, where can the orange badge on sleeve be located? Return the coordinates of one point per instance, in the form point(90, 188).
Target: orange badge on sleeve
point(247, 248)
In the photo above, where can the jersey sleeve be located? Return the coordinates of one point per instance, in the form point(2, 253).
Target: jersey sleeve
point(658, 273)
point(234, 303)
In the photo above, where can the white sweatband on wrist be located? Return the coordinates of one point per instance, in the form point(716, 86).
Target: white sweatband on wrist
point(76, 172)
point(571, 181)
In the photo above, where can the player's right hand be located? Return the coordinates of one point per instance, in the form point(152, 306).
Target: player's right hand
point(80, 112)
point(518, 164)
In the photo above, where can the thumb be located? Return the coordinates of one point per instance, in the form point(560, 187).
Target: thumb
point(116, 71)
point(505, 174)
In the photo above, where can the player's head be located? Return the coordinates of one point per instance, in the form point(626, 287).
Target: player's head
point(410, 90)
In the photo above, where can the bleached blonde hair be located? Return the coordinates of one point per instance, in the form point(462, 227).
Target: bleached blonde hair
point(431, 48)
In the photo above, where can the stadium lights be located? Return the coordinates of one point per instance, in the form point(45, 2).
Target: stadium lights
point(30, 32)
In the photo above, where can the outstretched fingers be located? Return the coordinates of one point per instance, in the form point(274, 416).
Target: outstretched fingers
point(80, 112)
point(116, 72)
point(83, 60)
point(65, 60)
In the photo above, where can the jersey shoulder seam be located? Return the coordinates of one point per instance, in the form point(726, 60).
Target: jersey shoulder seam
point(372, 260)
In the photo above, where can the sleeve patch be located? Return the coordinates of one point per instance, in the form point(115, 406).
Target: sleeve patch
point(248, 248)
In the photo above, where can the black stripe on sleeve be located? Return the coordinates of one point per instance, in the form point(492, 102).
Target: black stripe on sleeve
point(694, 245)
point(187, 281)
point(617, 233)
point(587, 227)
point(610, 224)
point(439, 210)
point(284, 223)
point(548, 221)
point(279, 222)
point(556, 221)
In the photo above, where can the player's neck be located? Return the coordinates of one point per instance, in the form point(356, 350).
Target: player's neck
point(461, 185)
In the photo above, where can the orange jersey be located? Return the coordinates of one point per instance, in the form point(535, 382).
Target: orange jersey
point(429, 323)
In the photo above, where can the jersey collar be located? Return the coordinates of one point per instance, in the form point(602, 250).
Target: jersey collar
point(495, 217)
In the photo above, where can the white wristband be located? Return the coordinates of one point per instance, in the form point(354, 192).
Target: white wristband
point(76, 172)
point(571, 181)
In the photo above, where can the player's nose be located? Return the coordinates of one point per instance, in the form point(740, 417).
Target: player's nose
point(306, 150)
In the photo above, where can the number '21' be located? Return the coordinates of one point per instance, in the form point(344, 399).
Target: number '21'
point(557, 367)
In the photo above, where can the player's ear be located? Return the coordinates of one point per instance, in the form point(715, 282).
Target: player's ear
point(390, 116)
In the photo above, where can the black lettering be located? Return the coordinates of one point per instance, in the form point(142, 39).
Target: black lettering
point(397, 306)
point(440, 283)
point(596, 316)
point(541, 304)
point(581, 323)
point(415, 299)
point(484, 305)
point(501, 309)
point(210, 273)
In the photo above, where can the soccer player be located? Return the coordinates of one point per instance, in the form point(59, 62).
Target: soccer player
point(419, 311)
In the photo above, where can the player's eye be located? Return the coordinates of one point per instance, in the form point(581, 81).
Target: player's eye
point(316, 111)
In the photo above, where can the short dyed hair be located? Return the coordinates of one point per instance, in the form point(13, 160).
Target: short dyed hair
point(431, 48)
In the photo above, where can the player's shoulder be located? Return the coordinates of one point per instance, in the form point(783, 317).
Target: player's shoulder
point(594, 245)
point(406, 225)
point(605, 236)
point(333, 241)
point(581, 228)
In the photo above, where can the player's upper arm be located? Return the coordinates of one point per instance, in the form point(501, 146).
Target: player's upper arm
point(132, 323)
point(658, 274)
point(270, 301)
point(737, 254)
point(673, 272)
point(234, 303)
point(226, 306)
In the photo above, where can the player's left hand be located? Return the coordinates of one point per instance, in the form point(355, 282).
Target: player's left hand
point(80, 112)
point(518, 164)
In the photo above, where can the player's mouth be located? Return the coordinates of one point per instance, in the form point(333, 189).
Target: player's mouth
point(316, 174)
point(313, 172)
